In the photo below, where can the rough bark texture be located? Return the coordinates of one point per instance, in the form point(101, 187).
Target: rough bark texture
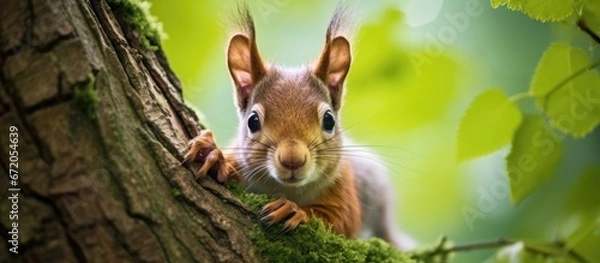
point(101, 181)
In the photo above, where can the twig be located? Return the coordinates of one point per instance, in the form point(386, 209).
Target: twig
point(571, 252)
point(583, 26)
point(443, 251)
point(579, 258)
point(482, 245)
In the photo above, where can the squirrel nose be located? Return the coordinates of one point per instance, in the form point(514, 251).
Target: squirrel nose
point(291, 155)
point(292, 162)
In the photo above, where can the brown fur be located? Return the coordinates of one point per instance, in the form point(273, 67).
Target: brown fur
point(340, 206)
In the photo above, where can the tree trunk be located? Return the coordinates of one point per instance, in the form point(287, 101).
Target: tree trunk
point(101, 132)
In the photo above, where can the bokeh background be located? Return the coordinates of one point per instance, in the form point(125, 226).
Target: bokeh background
point(417, 66)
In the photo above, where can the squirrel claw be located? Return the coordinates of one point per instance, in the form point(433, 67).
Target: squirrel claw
point(267, 219)
point(200, 147)
point(298, 218)
point(268, 208)
point(203, 149)
point(281, 209)
point(286, 228)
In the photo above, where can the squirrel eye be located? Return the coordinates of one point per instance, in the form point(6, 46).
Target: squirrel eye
point(328, 121)
point(253, 122)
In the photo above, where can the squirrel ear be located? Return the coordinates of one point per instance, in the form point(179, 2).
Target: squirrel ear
point(245, 66)
point(332, 68)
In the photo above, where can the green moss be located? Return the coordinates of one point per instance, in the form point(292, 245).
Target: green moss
point(137, 14)
point(87, 97)
point(312, 242)
point(252, 200)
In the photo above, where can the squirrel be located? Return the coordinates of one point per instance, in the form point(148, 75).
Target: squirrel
point(290, 143)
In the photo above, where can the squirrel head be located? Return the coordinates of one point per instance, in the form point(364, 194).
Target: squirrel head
point(289, 117)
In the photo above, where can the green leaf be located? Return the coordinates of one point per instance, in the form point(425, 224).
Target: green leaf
point(584, 197)
point(542, 10)
point(581, 215)
point(488, 124)
point(499, 3)
point(574, 107)
point(533, 158)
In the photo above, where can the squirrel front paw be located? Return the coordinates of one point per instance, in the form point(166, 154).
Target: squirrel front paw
point(282, 208)
point(203, 149)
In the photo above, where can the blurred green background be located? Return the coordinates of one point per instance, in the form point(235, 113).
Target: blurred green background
point(417, 66)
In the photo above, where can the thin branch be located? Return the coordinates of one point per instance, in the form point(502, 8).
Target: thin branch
point(482, 245)
point(443, 251)
point(573, 254)
point(570, 251)
point(583, 26)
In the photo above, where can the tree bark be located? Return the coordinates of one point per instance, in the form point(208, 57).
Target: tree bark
point(102, 129)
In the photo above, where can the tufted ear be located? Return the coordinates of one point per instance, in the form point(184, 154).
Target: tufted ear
point(245, 66)
point(333, 66)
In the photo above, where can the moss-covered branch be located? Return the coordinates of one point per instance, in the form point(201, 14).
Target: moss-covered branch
point(312, 242)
